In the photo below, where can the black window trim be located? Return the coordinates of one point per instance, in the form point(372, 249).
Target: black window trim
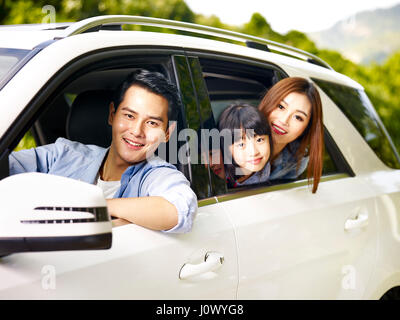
point(235, 59)
point(336, 155)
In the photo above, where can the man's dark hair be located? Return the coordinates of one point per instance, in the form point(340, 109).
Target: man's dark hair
point(156, 83)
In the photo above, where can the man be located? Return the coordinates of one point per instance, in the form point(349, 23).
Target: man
point(139, 187)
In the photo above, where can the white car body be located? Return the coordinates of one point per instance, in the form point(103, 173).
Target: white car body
point(277, 242)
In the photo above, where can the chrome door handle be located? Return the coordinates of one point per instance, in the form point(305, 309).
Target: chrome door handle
point(212, 261)
point(360, 221)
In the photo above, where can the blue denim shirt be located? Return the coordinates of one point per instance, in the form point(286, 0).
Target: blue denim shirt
point(284, 166)
point(153, 177)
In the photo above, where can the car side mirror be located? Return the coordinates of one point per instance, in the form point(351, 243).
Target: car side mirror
point(43, 212)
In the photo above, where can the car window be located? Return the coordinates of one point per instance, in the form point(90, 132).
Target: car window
point(52, 117)
point(228, 82)
point(356, 106)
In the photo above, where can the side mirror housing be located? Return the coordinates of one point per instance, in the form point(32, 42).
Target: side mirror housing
point(43, 212)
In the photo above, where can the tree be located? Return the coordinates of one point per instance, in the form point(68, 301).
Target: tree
point(258, 26)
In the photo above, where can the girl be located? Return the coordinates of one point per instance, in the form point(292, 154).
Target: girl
point(294, 112)
point(245, 137)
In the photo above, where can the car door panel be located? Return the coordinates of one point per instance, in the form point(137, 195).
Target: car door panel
point(292, 244)
point(142, 264)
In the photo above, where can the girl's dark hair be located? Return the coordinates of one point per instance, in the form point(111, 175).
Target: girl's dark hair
point(240, 116)
point(154, 82)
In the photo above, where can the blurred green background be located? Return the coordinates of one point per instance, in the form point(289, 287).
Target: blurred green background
point(380, 80)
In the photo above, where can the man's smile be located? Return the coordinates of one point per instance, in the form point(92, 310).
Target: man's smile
point(133, 144)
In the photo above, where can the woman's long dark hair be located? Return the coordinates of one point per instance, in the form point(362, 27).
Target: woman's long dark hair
point(243, 118)
point(313, 136)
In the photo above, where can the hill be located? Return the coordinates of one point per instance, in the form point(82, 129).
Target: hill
point(365, 37)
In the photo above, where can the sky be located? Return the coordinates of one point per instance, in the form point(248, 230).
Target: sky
point(285, 15)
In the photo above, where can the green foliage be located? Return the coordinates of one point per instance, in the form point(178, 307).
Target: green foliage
point(258, 26)
point(24, 12)
point(299, 40)
point(381, 82)
point(212, 21)
point(26, 142)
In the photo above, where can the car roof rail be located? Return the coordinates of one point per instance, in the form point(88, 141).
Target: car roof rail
point(96, 23)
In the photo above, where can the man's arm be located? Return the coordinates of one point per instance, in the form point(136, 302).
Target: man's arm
point(166, 202)
point(29, 160)
point(153, 212)
point(39, 159)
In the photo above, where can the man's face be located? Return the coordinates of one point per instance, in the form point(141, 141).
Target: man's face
point(138, 126)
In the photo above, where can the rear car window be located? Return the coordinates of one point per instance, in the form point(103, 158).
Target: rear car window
point(358, 109)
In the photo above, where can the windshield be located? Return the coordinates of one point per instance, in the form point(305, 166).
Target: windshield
point(8, 59)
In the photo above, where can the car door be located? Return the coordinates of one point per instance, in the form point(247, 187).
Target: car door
point(296, 245)
point(293, 244)
point(141, 264)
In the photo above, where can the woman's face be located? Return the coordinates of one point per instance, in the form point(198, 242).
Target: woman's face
point(290, 118)
point(251, 153)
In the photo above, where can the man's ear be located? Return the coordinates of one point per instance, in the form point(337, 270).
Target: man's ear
point(111, 113)
point(171, 128)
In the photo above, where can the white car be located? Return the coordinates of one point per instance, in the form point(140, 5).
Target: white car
point(257, 242)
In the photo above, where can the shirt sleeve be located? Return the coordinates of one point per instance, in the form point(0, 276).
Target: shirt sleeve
point(37, 159)
point(173, 186)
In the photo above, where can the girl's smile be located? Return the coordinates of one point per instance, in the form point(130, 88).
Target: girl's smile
point(255, 161)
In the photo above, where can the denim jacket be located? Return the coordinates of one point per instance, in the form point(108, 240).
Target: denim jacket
point(284, 166)
point(257, 177)
point(153, 177)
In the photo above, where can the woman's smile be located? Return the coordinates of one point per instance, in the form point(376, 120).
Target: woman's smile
point(278, 130)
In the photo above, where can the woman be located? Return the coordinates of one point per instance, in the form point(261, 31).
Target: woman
point(294, 111)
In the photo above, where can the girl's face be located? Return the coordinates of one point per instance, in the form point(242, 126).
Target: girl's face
point(251, 153)
point(290, 118)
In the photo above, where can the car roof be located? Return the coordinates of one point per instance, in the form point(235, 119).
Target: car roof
point(115, 22)
point(25, 39)
point(28, 36)
point(31, 35)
